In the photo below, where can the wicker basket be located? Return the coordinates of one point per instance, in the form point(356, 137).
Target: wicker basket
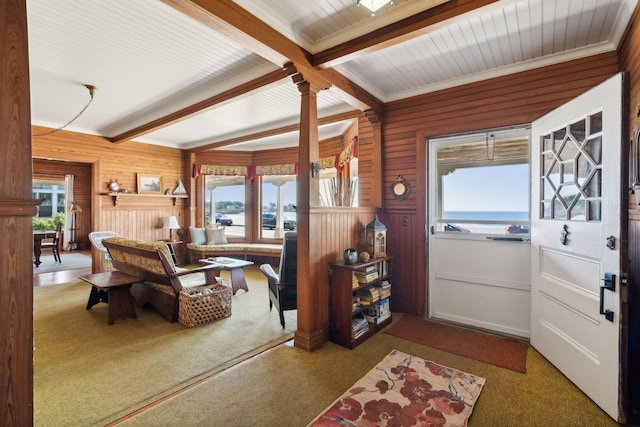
point(204, 304)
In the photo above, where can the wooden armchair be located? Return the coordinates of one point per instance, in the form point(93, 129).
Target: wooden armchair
point(283, 287)
point(163, 281)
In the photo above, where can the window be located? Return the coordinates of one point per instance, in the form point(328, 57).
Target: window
point(225, 203)
point(340, 189)
point(483, 183)
point(51, 192)
point(571, 175)
point(278, 189)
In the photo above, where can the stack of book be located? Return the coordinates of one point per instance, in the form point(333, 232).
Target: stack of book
point(369, 294)
point(354, 281)
point(384, 289)
point(366, 274)
point(359, 326)
point(379, 312)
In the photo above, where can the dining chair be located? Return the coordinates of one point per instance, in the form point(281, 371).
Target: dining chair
point(54, 244)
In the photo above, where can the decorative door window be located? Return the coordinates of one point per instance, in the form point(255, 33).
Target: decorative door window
point(571, 171)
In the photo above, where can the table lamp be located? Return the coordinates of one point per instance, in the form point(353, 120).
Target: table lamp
point(171, 223)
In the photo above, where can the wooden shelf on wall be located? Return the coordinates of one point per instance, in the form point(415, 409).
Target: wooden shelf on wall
point(115, 196)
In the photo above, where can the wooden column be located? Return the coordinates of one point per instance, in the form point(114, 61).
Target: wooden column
point(309, 335)
point(16, 210)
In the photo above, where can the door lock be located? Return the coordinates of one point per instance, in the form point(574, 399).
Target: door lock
point(610, 284)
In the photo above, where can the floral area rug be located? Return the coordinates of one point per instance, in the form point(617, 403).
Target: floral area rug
point(404, 390)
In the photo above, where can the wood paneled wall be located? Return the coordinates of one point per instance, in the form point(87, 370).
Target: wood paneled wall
point(134, 217)
point(340, 228)
point(505, 101)
point(81, 191)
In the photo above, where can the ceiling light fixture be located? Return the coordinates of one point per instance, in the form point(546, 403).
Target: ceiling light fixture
point(92, 90)
point(373, 5)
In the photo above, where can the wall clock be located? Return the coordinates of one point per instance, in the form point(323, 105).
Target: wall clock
point(400, 188)
point(114, 186)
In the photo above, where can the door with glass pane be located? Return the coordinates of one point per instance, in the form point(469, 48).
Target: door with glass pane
point(575, 241)
point(479, 252)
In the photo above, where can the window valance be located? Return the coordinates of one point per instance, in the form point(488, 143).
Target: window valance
point(251, 171)
point(339, 160)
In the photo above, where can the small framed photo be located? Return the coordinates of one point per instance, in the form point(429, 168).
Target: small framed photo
point(149, 184)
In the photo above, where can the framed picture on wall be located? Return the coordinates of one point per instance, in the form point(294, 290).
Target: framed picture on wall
point(149, 184)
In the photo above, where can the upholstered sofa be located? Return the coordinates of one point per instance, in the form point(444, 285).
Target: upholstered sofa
point(212, 242)
point(162, 280)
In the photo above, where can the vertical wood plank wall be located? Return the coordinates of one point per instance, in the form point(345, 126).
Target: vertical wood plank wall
point(134, 217)
point(629, 60)
point(340, 228)
point(510, 100)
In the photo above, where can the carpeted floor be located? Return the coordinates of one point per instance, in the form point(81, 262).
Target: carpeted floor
point(89, 373)
point(287, 386)
point(487, 348)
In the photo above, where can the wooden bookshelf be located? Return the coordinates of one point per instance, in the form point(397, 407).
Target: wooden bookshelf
point(343, 289)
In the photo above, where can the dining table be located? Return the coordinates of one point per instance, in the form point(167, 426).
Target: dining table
point(38, 236)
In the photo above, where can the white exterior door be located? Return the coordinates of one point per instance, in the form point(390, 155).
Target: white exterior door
point(575, 233)
point(479, 254)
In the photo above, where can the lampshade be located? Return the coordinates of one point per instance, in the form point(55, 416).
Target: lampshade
point(373, 5)
point(171, 223)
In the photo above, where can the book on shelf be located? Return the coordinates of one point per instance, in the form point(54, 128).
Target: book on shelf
point(368, 269)
point(370, 293)
point(384, 289)
point(380, 309)
point(354, 281)
point(366, 277)
point(384, 268)
point(359, 326)
point(376, 320)
point(360, 333)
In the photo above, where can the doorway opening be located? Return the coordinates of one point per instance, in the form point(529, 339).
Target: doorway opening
point(479, 256)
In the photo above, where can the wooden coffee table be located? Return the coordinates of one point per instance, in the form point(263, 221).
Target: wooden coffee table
point(114, 288)
point(235, 269)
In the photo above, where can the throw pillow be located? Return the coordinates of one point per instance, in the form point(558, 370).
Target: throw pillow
point(198, 236)
point(216, 236)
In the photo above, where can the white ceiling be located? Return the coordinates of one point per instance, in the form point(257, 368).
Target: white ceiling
point(149, 60)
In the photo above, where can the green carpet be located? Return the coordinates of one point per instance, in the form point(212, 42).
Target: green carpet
point(289, 387)
point(89, 373)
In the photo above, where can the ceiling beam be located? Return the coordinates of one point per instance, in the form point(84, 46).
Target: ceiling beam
point(192, 110)
point(234, 22)
point(275, 131)
point(398, 32)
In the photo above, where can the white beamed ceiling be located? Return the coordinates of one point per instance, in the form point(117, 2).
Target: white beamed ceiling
point(148, 60)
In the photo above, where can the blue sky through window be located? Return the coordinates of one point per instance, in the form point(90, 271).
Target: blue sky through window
point(487, 188)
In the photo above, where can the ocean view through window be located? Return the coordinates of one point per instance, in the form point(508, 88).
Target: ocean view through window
point(483, 184)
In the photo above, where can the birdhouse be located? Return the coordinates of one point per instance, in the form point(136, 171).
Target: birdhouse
point(376, 238)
